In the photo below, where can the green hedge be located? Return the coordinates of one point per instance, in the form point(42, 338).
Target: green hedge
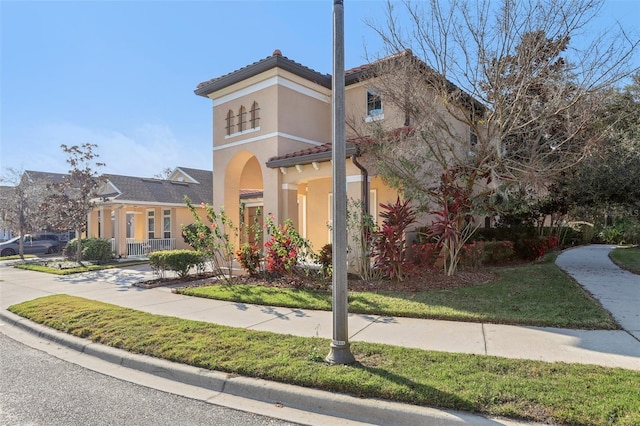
point(180, 261)
point(95, 249)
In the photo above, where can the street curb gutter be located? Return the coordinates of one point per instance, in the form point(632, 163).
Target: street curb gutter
point(371, 411)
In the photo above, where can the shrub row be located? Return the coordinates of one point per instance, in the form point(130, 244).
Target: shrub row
point(179, 261)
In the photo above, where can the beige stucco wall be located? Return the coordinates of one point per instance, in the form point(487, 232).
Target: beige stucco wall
point(356, 110)
point(318, 211)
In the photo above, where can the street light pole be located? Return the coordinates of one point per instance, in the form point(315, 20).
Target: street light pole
point(340, 352)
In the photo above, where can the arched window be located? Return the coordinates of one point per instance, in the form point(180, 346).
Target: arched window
point(242, 119)
point(254, 115)
point(229, 122)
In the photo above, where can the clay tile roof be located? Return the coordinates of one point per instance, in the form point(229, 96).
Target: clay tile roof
point(323, 152)
point(251, 193)
point(275, 60)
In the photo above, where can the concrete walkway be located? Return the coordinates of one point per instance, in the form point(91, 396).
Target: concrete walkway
point(618, 291)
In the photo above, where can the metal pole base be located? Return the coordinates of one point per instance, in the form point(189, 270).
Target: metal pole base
point(340, 354)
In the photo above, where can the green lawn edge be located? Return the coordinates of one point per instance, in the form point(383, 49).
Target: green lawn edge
point(539, 294)
point(17, 257)
point(531, 390)
point(70, 271)
point(627, 258)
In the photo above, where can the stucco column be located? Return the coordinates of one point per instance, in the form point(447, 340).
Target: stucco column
point(289, 204)
point(272, 194)
point(120, 231)
point(105, 222)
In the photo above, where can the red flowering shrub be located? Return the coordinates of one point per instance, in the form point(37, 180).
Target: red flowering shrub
point(552, 242)
point(250, 256)
point(284, 248)
point(531, 248)
point(497, 252)
point(471, 255)
point(424, 255)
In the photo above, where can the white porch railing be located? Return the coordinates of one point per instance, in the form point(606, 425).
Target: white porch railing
point(144, 247)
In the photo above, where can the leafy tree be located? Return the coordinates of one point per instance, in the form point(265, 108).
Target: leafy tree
point(71, 201)
point(22, 207)
point(523, 108)
point(609, 176)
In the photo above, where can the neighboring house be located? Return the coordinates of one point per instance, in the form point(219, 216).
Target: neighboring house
point(146, 214)
point(5, 197)
point(140, 215)
point(272, 139)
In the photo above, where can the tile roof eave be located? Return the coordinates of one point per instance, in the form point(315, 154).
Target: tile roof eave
point(308, 158)
point(206, 88)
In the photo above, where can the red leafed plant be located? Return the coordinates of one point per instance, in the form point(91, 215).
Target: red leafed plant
point(389, 240)
point(453, 225)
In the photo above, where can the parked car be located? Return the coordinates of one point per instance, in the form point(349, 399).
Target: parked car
point(33, 244)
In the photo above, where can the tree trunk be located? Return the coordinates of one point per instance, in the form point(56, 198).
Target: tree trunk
point(78, 246)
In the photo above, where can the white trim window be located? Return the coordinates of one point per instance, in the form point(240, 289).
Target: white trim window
point(374, 106)
point(151, 224)
point(166, 223)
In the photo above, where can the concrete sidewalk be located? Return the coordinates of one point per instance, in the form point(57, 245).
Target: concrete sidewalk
point(618, 292)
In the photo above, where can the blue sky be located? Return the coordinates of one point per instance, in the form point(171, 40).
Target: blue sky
point(121, 74)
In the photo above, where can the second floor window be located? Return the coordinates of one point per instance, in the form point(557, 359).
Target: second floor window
point(230, 124)
point(242, 119)
point(374, 103)
point(254, 116)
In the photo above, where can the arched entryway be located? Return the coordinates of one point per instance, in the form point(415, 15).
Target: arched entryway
point(244, 196)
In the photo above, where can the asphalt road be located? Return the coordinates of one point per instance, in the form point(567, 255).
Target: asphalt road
point(38, 389)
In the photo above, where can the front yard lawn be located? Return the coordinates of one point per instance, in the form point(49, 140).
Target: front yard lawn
point(537, 294)
point(627, 258)
point(556, 393)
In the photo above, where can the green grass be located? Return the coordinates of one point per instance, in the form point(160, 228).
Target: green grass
point(75, 270)
point(533, 390)
point(538, 294)
point(17, 257)
point(627, 258)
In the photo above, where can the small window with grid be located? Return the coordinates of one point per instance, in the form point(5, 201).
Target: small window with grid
point(230, 124)
point(242, 119)
point(254, 116)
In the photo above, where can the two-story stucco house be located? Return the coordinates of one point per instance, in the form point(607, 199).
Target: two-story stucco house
point(272, 143)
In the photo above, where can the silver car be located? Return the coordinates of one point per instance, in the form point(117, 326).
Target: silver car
point(33, 244)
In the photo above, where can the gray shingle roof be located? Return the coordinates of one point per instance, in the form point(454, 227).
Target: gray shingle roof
point(44, 176)
point(159, 191)
point(204, 177)
point(147, 190)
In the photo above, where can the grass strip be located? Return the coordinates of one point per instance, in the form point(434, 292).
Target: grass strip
point(533, 390)
point(627, 258)
point(69, 271)
point(17, 257)
point(538, 295)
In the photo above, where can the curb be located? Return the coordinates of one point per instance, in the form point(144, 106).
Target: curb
point(372, 411)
